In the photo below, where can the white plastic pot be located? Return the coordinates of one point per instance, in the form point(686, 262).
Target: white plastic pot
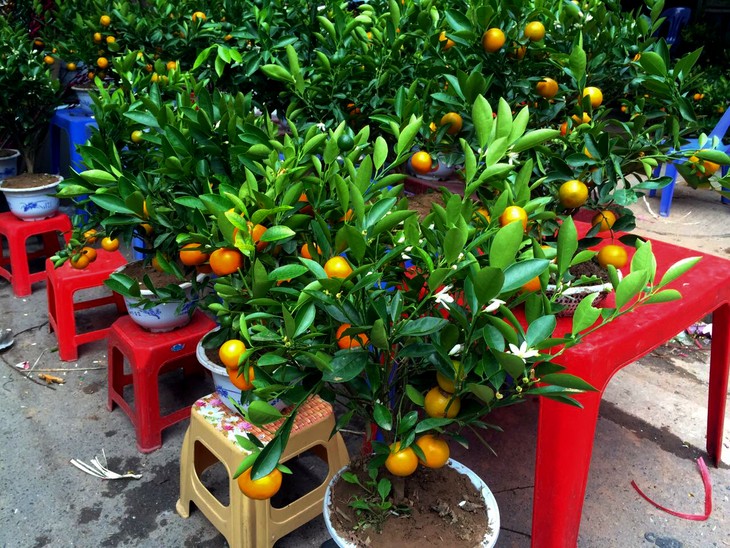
point(33, 204)
point(85, 100)
point(487, 497)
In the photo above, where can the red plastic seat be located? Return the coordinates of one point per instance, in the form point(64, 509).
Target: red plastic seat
point(17, 232)
point(149, 355)
point(62, 284)
point(565, 433)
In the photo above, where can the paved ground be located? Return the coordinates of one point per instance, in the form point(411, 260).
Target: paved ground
point(651, 429)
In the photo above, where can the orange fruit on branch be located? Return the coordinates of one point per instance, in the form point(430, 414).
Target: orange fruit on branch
point(435, 449)
point(605, 219)
point(110, 244)
point(239, 380)
point(262, 488)
point(337, 267)
point(454, 121)
point(421, 162)
point(493, 40)
point(225, 261)
point(612, 254)
point(535, 31)
point(230, 353)
point(573, 193)
point(512, 214)
point(547, 88)
point(191, 255)
point(595, 95)
point(401, 462)
point(105, 20)
point(436, 402)
point(346, 342)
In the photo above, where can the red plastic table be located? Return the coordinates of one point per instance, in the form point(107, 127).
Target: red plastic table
point(565, 433)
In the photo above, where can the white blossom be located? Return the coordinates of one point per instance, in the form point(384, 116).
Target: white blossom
point(493, 305)
point(456, 350)
point(523, 351)
point(443, 297)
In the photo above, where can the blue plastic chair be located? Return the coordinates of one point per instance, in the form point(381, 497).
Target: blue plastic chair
point(671, 171)
point(676, 18)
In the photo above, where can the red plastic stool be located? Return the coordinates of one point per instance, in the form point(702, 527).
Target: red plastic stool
point(61, 285)
point(150, 354)
point(17, 233)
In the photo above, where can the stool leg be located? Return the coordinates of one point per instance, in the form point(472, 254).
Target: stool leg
point(187, 460)
point(147, 408)
point(66, 326)
point(719, 368)
point(50, 243)
point(115, 374)
point(21, 270)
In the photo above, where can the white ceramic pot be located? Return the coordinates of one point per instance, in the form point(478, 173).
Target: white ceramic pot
point(85, 100)
point(165, 316)
point(223, 385)
point(33, 204)
point(487, 497)
point(9, 164)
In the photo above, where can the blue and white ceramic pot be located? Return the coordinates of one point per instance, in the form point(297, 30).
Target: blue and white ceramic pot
point(32, 203)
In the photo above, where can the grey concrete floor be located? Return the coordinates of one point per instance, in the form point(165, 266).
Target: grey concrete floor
point(651, 429)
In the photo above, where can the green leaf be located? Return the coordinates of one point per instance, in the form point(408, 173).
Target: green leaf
point(434, 423)
point(406, 137)
point(422, 326)
point(505, 245)
point(454, 242)
point(653, 63)
point(277, 72)
point(567, 245)
point(286, 272)
point(345, 366)
point(380, 152)
point(567, 381)
point(514, 365)
point(407, 422)
point(518, 274)
point(261, 413)
point(534, 138)
point(483, 122)
point(383, 417)
point(488, 284)
point(585, 314)
point(577, 62)
point(677, 269)
point(97, 176)
point(484, 393)
point(628, 288)
point(415, 396)
point(665, 296)
point(378, 335)
point(540, 329)
point(276, 233)
point(111, 203)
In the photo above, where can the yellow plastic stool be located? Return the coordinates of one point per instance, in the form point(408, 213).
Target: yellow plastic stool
point(210, 438)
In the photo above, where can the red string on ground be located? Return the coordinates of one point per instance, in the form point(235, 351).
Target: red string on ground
point(704, 472)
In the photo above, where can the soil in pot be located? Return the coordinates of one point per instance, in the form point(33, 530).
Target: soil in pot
point(29, 180)
point(138, 270)
point(589, 269)
point(446, 509)
point(421, 203)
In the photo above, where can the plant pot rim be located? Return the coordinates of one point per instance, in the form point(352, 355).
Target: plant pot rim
point(31, 189)
point(580, 289)
point(203, 357)
point(147, 293)
point(15, 155)
point(493, 519)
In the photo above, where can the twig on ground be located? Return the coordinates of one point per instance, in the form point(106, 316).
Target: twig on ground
point(648, 207)
point(67, 369)
point(27, 376)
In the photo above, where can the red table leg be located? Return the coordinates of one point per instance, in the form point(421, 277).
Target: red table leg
point(719, 367)
point(564, 448)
